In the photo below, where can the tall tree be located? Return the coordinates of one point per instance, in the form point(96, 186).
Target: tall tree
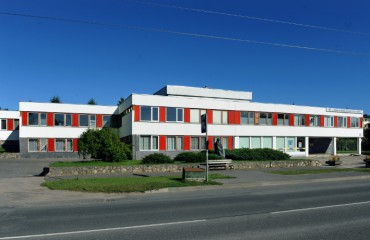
point(92, 102)
point(55, 99)
point(120, 101)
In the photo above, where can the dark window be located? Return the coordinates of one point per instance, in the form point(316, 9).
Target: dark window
point(68, 120)
point(59, 119)
point(33, 119)
point(84, 120)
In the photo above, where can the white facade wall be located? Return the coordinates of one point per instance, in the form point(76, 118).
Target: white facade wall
point(7, 134)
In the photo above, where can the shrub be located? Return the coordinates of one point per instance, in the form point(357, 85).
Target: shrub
point(259, 154)
point(2, 150)
point(195, 157)
point(156, 158)
point(103, 144)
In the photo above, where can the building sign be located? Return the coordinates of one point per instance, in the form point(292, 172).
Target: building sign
point(340, 110)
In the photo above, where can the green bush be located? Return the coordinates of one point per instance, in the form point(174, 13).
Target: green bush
point(195, 157)
point(103, 144)
point(258, 154)
point(156, 158)
point(2, 150)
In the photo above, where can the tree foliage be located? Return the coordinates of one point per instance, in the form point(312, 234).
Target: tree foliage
point(103, 144)
point(92, 102)
point(366, 139)
point(55, 99)
point(120, 101)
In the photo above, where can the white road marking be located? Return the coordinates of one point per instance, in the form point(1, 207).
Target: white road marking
point(323, 207)
point(102, 230)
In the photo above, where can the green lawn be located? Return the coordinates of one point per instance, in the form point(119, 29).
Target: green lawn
point(95, 163)
point(128, 184)
point(318, 171)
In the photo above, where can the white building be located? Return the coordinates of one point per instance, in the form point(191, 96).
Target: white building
point(169, 122)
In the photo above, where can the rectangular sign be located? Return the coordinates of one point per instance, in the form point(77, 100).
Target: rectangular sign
point(340, 110)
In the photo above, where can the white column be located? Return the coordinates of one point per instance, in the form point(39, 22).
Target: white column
point(359, 141)
point(307, 146)
point(236, 142)
point(274, 142)
point(334, 146)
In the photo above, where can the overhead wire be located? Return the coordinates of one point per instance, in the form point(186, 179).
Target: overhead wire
point(185, 33)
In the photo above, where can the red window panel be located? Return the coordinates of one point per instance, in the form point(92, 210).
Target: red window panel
point(307, 120)
point(136, 113)
point(162, 114)
point(51, 145)
point(231, 142)
point(187, 115)
point(162, 143)
point(210, 116)
point(186, 142)
point(291, 120)
point(231, 117)
point(10, 126)
point(50, 119)
point(237, 117)
point(75, 120)
point(361, 122)
point(349, 122)
point(321, 121)
point(335, 121)
point(210, 143)
point(24, 118)
point(75, 145)
point(99, 120)
point(274, 119)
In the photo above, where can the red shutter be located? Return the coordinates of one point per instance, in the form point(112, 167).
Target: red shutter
point(186, 142)
point(291, 120)
point(75, 145)
point(321, 121)
point(349, 122)
point(10, 126)
point(99, 120)
point(237, 117)
point(187, 115)
point(24, 118)
point(136, 113)
point(274, 119)
point(210, 116)
point(307, 120)
point(162, 143)
point(231, 117)
point(162, 114)
point(50, 119)
point(361, 122)
point(210, 143)
point(231, 143)
point(51, 145)
point(75, 120)
point(335, 121)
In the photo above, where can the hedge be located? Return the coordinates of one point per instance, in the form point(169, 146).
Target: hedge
point(258, 154)
point(156, 158)
point(195, 157)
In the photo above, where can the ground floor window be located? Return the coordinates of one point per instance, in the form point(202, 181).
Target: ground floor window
point(148, 143)
point(174, 143)
point(37, 145)
point(64, 145)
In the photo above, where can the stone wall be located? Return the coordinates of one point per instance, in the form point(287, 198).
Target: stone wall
point(9, 155)
point(60, 171)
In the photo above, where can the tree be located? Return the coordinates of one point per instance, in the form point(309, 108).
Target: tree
point(120, 101)
point(55, 99)
point(91, 102)
point(103, 144)
point(366, 139)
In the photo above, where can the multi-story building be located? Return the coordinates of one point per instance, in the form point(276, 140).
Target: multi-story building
point(169, 122)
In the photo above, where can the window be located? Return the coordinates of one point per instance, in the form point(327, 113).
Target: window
point(59, 145)
point(283, 119)
point(299, 120)
point(68, 120)
point(267, 142)
point(280, 143)
point(244, 142)
point(42, 119)
point(194, 143)
point(69, 145)
point(92, 121)
point(33, 119)
point(3, 124)
point(171, 143)
point(148, 143)
point(256, 142)
point(175, 114)
point(328, 121)
point(354, 122)
point(106, 121)
point(291, 144)
point(342, 122)
point(180, 143)
point(224, 141)
point(220, 117)
point(224, 117)
point(16, 124)
point(37, 145)
point(148, 113)
point(194, 116)
point(314, 121)
point(59, 119)
point(265, 118)
point(84, 120)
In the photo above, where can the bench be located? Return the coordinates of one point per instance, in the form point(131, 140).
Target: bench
point(218, 164)
point(193, 174)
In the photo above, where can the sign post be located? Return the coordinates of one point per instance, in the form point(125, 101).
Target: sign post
point(204, 129)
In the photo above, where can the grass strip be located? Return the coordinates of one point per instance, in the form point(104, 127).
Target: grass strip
point(318, 171)
point(127, 184)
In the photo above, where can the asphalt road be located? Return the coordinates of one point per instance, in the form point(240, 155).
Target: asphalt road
point(313, 211)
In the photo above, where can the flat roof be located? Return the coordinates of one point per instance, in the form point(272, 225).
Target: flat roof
point(171, 90)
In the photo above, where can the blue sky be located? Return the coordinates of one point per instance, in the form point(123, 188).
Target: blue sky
point(42, 58)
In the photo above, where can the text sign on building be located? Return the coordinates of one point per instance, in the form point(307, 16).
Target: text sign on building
point(340, 110)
